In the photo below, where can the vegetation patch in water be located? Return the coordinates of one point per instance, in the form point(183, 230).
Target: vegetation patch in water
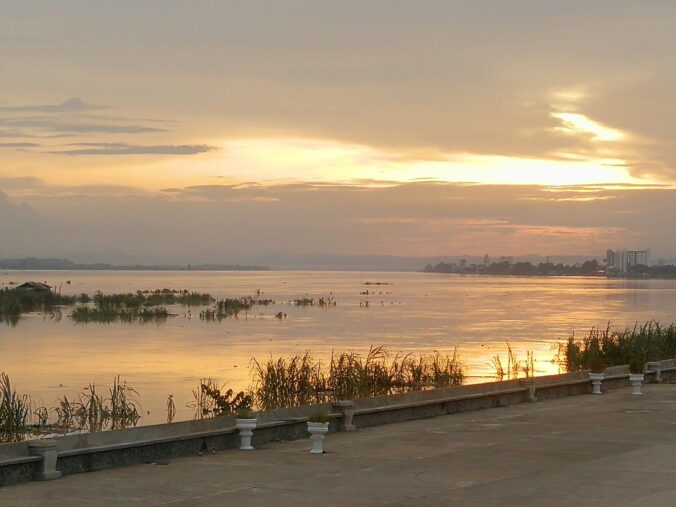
point(322, 302)
point(231, 307)
point(17, 301)
point(110, 314)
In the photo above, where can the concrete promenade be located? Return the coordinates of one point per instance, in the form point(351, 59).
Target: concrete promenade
point(610, 450)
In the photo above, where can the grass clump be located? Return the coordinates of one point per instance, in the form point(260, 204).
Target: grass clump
point(291, 382)
point(650, 341)
point(95, 412)
point(226, 308)
point(300, 380)
point(14, 412)
point(212, 400)
point(513, 368)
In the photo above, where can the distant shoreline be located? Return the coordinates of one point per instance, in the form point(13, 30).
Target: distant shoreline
point(604, 276)
point(590, 268)
point(35, 264)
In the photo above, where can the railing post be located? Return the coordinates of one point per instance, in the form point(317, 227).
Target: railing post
point(655, 366)
point(346, 407)
point(47, 450)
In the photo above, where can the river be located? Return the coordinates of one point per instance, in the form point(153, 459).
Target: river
point(48, 356)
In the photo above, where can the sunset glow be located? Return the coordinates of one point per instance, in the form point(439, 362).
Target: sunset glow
point(293, 159)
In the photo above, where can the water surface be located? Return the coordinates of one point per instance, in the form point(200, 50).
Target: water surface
point(48, 357)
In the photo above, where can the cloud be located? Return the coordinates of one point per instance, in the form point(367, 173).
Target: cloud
point(20, 183)
point(15, 133)
point(412, 81)
point(130, 149)
point(72, 105)
point(19, 145)
point(71, 117)
point(61, 126)
point(193, 224)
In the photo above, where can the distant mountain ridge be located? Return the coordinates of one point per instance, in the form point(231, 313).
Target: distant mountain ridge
point(34, 263)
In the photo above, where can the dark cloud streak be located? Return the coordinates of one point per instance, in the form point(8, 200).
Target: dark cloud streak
point(74, 104)
point(130, 149)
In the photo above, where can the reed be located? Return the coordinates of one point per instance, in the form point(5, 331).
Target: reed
point(287, 382)
point(514, 366)
point(65, 413)
point(124, 408)
point(300, 380)
point(171, 409)
point(91, 412)
point(14, 412)
point(650, 341)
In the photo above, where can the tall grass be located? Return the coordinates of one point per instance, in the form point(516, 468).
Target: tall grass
point(513, 367)
point(14, 412)
point(287, 382)
point(300, 380)
point(93, 412)
point(171, 409)
point(124, 407)
point(650, 341)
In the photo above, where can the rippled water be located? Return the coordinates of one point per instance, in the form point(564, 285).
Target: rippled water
point(414, 312)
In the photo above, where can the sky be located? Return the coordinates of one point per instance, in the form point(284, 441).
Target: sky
point(216, 131)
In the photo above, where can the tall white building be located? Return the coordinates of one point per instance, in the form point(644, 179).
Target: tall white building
point(621, 260)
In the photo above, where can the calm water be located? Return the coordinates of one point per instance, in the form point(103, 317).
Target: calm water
point(414, 312)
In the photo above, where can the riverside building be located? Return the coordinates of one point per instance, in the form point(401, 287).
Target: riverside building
point(621, 260)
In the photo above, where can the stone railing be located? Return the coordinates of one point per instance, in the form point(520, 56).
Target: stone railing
point(49, 459)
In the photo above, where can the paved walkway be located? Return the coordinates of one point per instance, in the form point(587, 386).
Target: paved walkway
point(611, 450)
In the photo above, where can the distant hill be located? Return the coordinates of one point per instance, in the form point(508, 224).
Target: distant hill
point(34, 263)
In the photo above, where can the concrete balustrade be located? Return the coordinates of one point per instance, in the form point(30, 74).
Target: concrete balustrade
point(48, 459)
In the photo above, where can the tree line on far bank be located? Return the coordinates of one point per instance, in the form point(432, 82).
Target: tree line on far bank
point(525, 268)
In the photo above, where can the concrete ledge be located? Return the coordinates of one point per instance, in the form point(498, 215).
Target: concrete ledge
point(149, 444)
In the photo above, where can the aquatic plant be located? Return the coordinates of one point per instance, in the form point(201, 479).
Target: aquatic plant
point(650, 341)
point(65, 413)
point(174, 297)
point(150, 298)
point(123, 410)
point(14, 412)
point(322, 302)
point(300, 380)
point(286, 382)
point(90, 410)
point(210, 399)
point(17, 301)
point(109, 314)
point(171, 408)
point(226, 308)
point(515, 367)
